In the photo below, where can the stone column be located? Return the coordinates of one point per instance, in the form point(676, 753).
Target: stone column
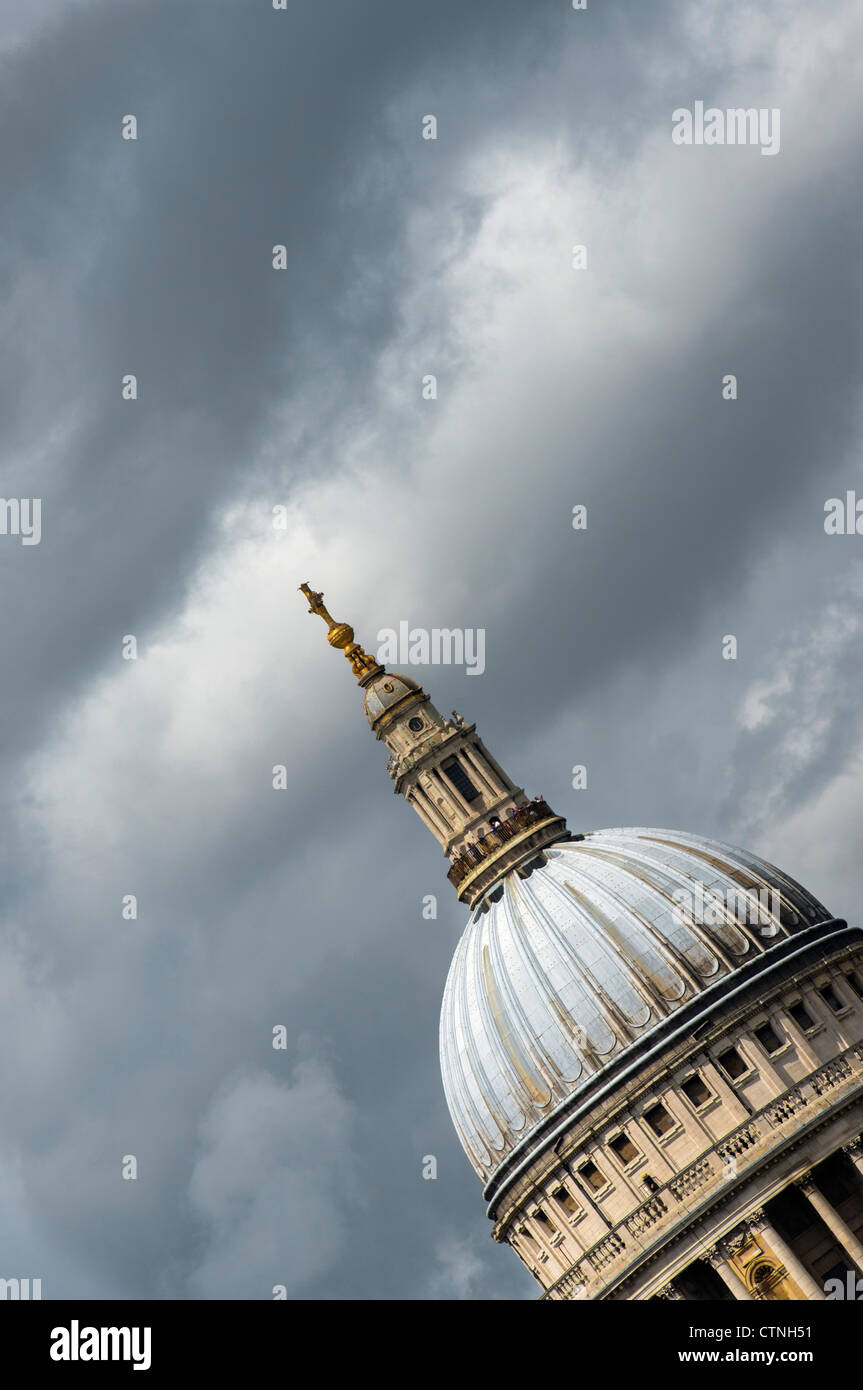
point(428, 786)
point(717, 1258)
point(811, 1290)
point(556, 1261)
point(746, 1045)
point(722, 1088)
point(451, 791)
point(475, 762)
point(832, 1220)
point(801, 1042)
point(505, 781)
point(426, 810)
point(854, 1150)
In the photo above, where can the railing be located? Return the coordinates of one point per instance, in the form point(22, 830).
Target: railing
point(646, 1216)
point(695, 1176)
point(833, 1074)
point(746, 1137)
point(489, 843)
point(605, 1251)
point(661, 1207)
point(788, 1105)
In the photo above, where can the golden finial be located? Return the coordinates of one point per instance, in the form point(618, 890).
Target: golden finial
point(341, 635)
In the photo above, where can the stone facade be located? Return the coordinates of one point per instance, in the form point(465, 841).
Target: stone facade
point(682, 1167)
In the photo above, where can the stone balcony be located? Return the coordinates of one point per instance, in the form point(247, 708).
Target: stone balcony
point(516, 841)
point(668, 1211)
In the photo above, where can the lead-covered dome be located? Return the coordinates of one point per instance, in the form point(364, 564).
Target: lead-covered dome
point(387, 693)
point(577, 963)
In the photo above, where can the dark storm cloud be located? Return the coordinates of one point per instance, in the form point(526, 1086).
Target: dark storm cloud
point(254, 129)
point(303, 908)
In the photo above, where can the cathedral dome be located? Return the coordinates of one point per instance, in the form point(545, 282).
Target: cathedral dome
point(571, 968)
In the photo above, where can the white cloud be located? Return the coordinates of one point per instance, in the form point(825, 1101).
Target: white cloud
point(458, 1271)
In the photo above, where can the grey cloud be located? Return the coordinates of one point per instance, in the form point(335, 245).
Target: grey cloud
point(271, 1184)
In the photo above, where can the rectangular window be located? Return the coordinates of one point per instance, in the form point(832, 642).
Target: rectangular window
point(856, 983)
point(460, 780)
point(732, 1063)
point(566, 1200)
point(831, 998)
point(546, 1223)
point(768, 1038)
point(624, 1148)
point(695, 1091)
point(592, 1176)
point(801, 1015)
point(659, 1119)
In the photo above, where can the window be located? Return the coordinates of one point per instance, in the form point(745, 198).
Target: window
point(624, 1148)
point(460, 780)
point(768, 1038)
point(801, 1015)
point(545, 1223)
point(732, 1063)
point(856, 983)
point(415, 724)
point(831, 998)
point(695, 1090)
point(592, 1176)
point(649, 1184)
point(659, 1119)
point(762, 1272)
point(566, 1200)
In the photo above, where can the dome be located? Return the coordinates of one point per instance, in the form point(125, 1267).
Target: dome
point(573, 966)
point(387, 691)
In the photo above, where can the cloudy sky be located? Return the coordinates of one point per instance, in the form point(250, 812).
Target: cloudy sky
point(301, 389)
